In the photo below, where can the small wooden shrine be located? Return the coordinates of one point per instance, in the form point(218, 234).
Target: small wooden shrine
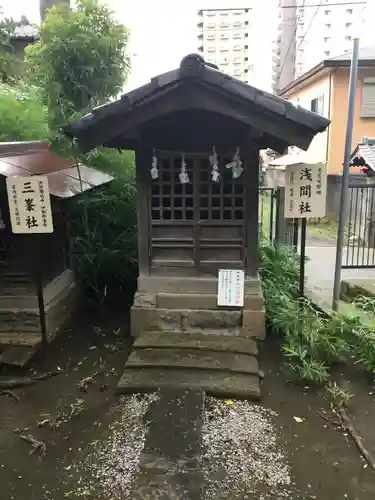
point(21, 321)
point(197, 133)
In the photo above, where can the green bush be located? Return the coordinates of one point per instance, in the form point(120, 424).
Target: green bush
point(311, 342)
point(103, 227)
point(23, 117)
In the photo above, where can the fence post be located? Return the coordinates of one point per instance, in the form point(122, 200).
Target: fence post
point(280, 225)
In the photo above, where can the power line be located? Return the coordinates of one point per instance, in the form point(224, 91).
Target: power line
point(303, 37)
point(351, 4)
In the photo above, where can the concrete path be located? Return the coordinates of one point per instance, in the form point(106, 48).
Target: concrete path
point(320, 271)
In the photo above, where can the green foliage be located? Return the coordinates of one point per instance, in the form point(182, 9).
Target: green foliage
point(104, 229)
point(23, 116)
point(312, 342)
point(80, 59)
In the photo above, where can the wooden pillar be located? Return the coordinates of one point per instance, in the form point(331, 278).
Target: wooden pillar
point(251, 180)
point(143, 165)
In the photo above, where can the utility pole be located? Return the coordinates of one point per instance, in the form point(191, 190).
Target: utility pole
point(345, 174)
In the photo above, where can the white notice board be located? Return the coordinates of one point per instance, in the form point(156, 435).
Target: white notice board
point(29, 204)
point(305, 190)
point(230, 288)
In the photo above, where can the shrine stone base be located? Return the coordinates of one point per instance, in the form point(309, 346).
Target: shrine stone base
point(183, 339)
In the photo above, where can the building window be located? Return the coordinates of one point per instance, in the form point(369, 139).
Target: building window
point(327, 38)
point(327, 53)
point(237, 24)
point(237, 48)
point(237, 60)
point(224, 13)
point(211, 36)
point(327, 12)
point(368, 98)
point(224, 49)
point(237, 12)
point(224, 36)
point(211, 49)
point(328, 26)
point(317, 105)
point(211, 25)
point(224, 25)
point(348, 38)
point(347, 25)
point(349, 11)
point(237, 72)
point(237, 35)
point(211, 13)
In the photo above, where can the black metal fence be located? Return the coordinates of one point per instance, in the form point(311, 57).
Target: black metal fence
point(272, 223)
point(359, 250)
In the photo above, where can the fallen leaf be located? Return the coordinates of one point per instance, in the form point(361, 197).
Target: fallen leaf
point(229, 402)
point(299, 420)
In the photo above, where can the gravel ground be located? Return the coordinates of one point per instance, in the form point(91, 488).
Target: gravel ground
point(108, 468)
point(242, 453)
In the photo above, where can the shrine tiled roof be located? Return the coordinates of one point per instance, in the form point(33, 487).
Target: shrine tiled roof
point(194, 69)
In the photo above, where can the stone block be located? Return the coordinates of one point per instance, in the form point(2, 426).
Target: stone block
point(215, 319)
point(142, 319)
point(142, 299)
point(253, 324)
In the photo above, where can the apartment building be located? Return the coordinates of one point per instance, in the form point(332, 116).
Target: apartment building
point(311, 31)
point(224, 39)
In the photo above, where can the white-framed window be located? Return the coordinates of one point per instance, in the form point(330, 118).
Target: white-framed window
point(211, 36)
point(237, 48)
point(327, 39)
point(327, 26)
point(211, 49)
point(237, 35)
point(349, 11)
point(211, 61)
point(224, 25)
point(211, 26)
point(224, 60)
point(211, 13)
point(237, 71)
point(348, 25)
point(368, 98)
point(223, 48)
point(327, 12)
point(224, 36)
point(224, 12)
point(327, 53)
point(317, 105)
point(237, 60)
point(237, 24)
point(348, 38)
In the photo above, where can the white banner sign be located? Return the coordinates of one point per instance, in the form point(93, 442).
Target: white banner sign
point(29, 204)
point(230, 292)
point(305, 190)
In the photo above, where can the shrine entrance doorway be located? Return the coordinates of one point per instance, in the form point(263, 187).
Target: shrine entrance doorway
point(199, 226)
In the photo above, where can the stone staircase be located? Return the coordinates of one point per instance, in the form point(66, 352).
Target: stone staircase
point(183, 340)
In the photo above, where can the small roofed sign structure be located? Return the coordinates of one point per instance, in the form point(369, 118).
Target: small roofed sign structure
point(197, 133)
point(363, 156)
point(18, 291)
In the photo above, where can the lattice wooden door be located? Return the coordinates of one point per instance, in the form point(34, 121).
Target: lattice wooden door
point(197, 227)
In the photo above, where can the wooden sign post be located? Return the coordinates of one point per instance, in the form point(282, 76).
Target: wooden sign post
point(30, 213)
point(305, 197)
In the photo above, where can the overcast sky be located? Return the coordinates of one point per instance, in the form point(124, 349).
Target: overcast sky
point(163, 33)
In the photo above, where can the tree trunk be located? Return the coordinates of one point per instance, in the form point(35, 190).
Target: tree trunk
point(44, 5)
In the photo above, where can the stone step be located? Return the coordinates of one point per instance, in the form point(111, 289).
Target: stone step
point(14, 320)
point(213, 342)
point(253, 301)
point(193, 358)
point(196, 284)
point(216, 382)
point(20, 338)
